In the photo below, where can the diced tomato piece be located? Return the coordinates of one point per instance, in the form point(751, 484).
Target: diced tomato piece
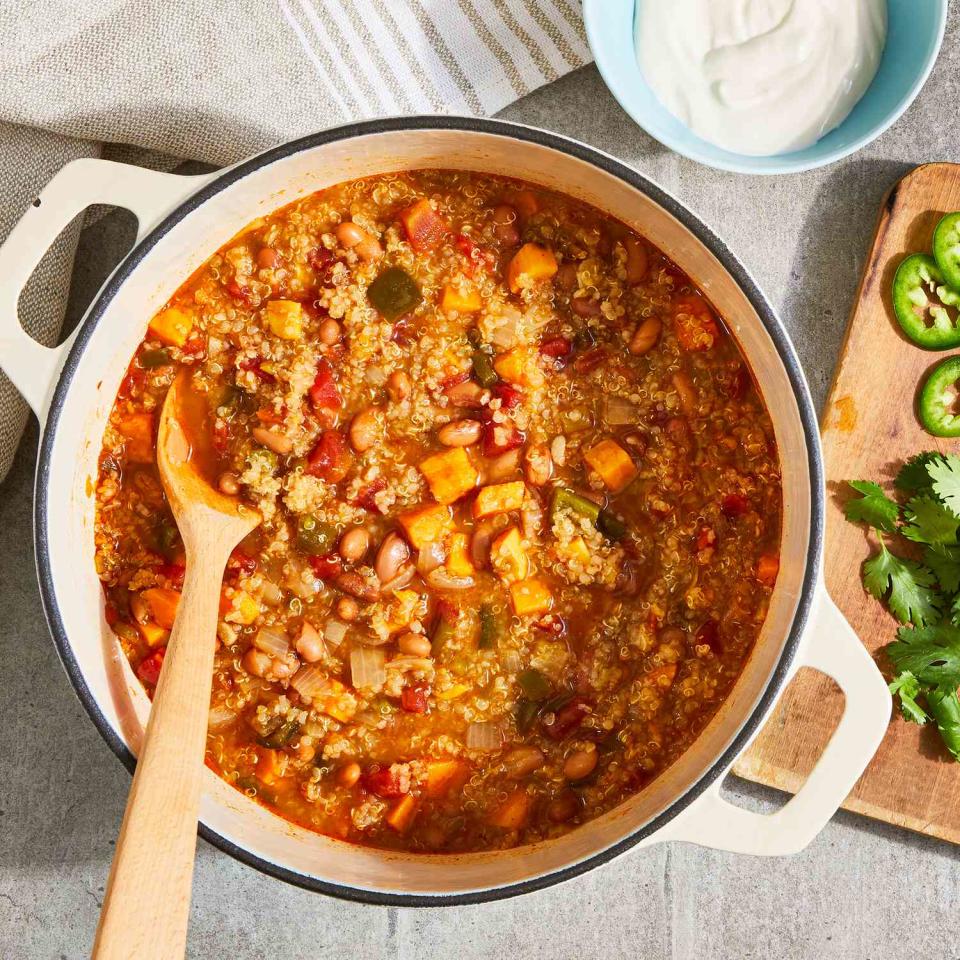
point(414, 699)
point(500, 438)
point(567, 719)
point(382, 781)
point(734, 505)
point(149, 669)
point(552, 624)
point(557, 348)
point(327, 567)
point(132, 383)
point(590, 360)
point(509, 397)
point(238, 292)
point(195, 346)
point(321, 260)
point(324, 394)
point(447, 611)
point(709, 634)
point(367, 498)
point(475, 255)
point(174, 572)
point(330, 458)
point(424, 227)
point(706, 539)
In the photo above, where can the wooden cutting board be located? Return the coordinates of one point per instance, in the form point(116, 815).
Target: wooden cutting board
point(869, 427)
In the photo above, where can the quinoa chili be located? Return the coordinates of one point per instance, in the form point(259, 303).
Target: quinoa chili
point(521, 506)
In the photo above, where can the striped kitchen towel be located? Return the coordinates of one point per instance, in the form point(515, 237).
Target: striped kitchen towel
point(216, 80)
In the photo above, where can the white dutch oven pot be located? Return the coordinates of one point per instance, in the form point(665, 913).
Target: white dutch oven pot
point(182, 221)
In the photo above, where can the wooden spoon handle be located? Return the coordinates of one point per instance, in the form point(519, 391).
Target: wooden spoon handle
point(147, 903)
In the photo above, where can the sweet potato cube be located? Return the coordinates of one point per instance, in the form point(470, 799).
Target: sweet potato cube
point(507, 556)
point(269, 769)
point(153, 634)
point(449, 474)
point(425, 227)
point(513, 812)
point(444, 776)
point(162, 604)
point(173, 326)
point(456, 300)
point(530, 598)
point(519, 366)
point(429, 524)
point(459, 563)
point(577, 551)
point(240, 608)
point(451, 693)
point(137, 430)
point(768, 566)
point(530, 264)
point(285, 319)
point(499, 498)
point(402, 815)
point(338, 702)
point(612, 463)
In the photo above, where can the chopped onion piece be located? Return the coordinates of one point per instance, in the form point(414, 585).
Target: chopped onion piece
point(220, 717)
point(504, 334)
point(411, 663)
point(407, 572)
point(511, 661)
point(334, 631)
point(272, 641)
point(443, 580)
point(271, 593)
point(430, 557)
point(366, 667)
point(483, 736)
point(310, 681)
point(618, 412)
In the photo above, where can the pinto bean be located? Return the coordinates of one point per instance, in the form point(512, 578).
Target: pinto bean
point(686, 391)
point(522, 761)
point(537, 465)
point(646, 335)
point(256, 662)
point(277, 442)
point(358, 586)
point(502, 467)
point(348, 609)
point(460, 433)
point(563, 807)
point(394, 552)
point(585, 306)
point(310, 644)
point(466, 394)
point(505, 224)
point(414, 645)
point(354, 544)
point(365, 429)
point(330, 332)
point(348, 775)
point(580, 764)
point(228, 484)
point(398, 386)
point(566, 278)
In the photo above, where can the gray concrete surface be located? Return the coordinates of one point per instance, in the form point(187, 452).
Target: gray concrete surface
point(861, 890)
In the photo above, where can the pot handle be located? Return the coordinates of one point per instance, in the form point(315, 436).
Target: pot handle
point(32, 367)
point(830, 646)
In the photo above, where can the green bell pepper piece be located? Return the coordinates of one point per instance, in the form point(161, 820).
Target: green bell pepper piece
point(394, 293)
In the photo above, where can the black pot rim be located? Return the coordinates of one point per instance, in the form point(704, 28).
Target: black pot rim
point(528, 135)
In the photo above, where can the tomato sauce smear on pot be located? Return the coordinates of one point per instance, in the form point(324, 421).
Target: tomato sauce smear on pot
point(521, 502)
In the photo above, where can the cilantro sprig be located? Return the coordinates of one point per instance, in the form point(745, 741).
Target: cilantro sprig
point(924, 595)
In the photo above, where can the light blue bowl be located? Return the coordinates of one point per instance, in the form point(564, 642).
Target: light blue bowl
point(915, 32)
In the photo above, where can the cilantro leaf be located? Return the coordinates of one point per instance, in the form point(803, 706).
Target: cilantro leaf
point(945, 564)
point(873, 507)
point(911, 599)
point(945, 474)
point(929, 521)
point(931, 654)
point(913, 476)
point(907, 687)
point(944, 707)
point(955, 611)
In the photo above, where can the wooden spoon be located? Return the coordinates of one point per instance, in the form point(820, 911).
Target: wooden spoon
point(147, 903)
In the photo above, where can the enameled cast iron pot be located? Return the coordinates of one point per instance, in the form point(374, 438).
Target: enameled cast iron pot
point(182, 221)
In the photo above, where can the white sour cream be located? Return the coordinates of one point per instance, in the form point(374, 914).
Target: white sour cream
point(760, 77)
